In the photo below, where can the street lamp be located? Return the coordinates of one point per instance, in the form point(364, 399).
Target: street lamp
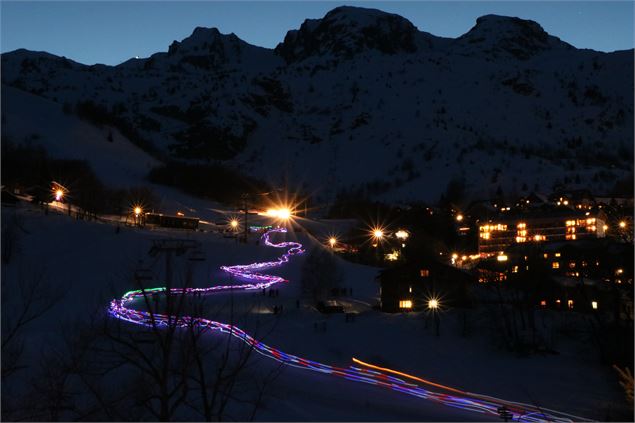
point(459, 217)
point(433, 307)
point(332, 241)
point(622, 224)
point(137, 211)
point(433, 304)
point(234, 224)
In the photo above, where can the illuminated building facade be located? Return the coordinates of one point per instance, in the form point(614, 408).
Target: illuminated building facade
point(565, 225)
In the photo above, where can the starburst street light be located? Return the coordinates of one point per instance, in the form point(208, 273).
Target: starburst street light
point(59, 191)
point(433, 304)
point(332, 241)
point(378, 234)
point(434, 307)
point(283, 213)
point(622, 224)
point(459, 217)
point(137, 210)
point(233, 223)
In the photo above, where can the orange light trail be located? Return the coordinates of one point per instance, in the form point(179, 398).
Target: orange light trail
point(514, 406)
point(384, 369)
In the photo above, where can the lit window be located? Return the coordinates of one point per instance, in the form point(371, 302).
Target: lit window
point(410, 289)
point(572, 264)
point(424, 273)
point(539, 237)
point(543, 303)
point(501, 257)
point(515, 269)
point(570, 304)
point(545, 255)
point(405, 304)
point(594, 305)
point(557, 254)
point(619, 271)
point(555, 265)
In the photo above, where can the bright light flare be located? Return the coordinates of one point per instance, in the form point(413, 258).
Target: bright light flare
point(378, 233)
point(459, 217)
point(622, 224)
point(233, 223)
point(137, 210)
point(283, 213)
point(433, 304)
point(332, 241)
point(59, 193)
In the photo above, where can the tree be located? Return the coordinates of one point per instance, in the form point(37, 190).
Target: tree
point(26, 299)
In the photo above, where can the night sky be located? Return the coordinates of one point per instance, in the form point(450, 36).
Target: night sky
point(111, 32)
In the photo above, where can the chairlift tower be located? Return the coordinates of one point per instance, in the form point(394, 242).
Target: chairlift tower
point(176, 247)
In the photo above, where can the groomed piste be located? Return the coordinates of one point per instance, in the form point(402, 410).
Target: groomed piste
point(364, 373)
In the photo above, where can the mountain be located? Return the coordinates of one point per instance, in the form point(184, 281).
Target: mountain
point(362, 102)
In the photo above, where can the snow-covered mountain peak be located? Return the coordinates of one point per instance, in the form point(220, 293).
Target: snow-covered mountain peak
point(508, 36)
point(209, 42)
point(347, 31)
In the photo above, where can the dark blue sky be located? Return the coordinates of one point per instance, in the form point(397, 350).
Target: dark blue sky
point(112, 32)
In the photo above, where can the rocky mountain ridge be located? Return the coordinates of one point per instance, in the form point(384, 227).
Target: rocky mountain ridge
point(363, 102)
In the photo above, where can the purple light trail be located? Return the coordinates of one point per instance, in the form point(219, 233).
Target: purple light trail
point(250, 272)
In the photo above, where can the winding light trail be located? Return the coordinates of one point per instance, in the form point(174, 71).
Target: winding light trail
point(369, 374)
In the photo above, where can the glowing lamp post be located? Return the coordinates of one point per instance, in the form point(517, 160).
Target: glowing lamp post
point(59, 193)
point(433, 307)
point(137, 210)
point(377, 236)
point(234, 224)
point(332, 242)
point(459, 217)
point(622, 224)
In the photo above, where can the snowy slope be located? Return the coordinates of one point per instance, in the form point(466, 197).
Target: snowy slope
point(363, 99)
point(100, 266)
point(118, 164)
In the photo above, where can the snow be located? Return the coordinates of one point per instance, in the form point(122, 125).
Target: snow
point(118, 163)
point(95, 263)
point(454, 108)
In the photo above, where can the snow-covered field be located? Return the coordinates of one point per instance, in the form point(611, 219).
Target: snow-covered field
point(95, 264)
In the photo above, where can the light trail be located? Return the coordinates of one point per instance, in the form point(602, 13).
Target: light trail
point(372, 375)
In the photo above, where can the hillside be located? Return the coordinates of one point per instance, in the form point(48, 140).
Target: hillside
point(362, 100)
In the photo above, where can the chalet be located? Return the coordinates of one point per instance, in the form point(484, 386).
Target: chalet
point(408, 287)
